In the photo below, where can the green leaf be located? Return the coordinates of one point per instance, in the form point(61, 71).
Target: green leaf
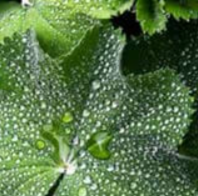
point(163, 102)
point(7, 6)
point(58, 29)
point(49, 113)
point(60, 25)
point(151, 15)
point(185, 9)
point(176, 49)
point(28, 103)
point(98, 9)
point(140, 152)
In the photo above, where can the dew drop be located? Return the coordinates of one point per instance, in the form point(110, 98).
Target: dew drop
point(86, 113)
point(15, 138)
point(48, 127)
point(110, 168)
point(133, 185)
point(87, 180)
point(68, 117)
point(43, 105)
point(96, 84)
point(82, 191)
point(40, 144)
point(67, 131)
point(98, 144)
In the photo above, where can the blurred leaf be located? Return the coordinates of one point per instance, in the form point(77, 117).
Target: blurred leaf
point(185, 9)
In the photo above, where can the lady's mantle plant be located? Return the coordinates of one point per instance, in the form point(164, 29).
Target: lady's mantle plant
point(74, 125)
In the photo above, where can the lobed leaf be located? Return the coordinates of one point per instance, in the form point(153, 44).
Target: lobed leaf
point(98, 9)
point(55, 120)
point(151, 15)
point(27, 104)
point(185, 9)
point(60, 25)
point(176, 49)
point(141, 160)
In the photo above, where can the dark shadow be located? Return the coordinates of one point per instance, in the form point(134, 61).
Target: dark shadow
point(54, 188)
point(128, 23)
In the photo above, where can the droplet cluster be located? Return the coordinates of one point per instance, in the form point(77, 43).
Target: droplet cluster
point(49, 110)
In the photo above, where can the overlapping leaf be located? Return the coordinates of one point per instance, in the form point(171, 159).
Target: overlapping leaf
point(97, 9)
point(6, 6)
point(151, 15)
point(54, 118)
point(185, 9)
point(176, 49)
point(60, 25)
point(30, 98)
point(141, 161)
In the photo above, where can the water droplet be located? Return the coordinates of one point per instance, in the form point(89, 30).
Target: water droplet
point(96, 84)
point(43, 105)
point(67, 131)
point(98, 145)
point(87, 180)
point(82, 191)
point(15, 138)
point(133, 185)
point(48, 127)
point(40, 144)
point(114, 104)
point(86, 113)
point(110, 168)
point(94, 187)
point(68, 117)
point(75, 141)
